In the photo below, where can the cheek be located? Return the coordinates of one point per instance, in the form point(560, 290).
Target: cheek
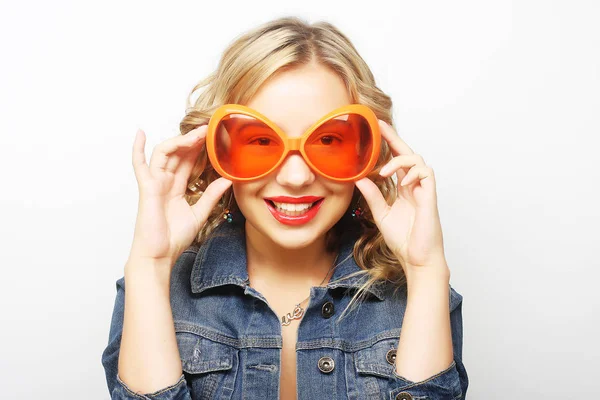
point(241, 191)
point(246, 192)
point(343, 193)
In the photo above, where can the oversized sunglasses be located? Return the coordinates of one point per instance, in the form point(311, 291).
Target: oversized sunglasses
point(243, 144)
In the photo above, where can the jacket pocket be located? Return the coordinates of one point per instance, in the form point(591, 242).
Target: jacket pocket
point(210, 367)
point(374, 367)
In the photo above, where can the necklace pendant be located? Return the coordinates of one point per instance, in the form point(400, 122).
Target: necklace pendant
point(296, 314)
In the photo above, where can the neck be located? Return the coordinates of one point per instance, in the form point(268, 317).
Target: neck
point(268, 261)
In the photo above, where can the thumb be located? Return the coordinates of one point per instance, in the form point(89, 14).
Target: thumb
point(209, 199)
point(374, 198)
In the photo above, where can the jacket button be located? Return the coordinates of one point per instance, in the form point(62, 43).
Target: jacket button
point(327, 310)
point(326, 364)
point(403, 396)
point(391, 356)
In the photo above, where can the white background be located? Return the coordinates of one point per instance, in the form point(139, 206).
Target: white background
point(501, 98)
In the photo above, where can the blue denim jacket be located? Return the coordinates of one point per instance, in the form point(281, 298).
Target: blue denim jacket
point(230, 340)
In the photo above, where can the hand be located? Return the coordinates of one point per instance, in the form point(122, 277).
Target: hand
point(166, 224)
point(411, 225)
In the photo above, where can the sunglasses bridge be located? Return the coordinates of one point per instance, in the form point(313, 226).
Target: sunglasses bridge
point(294, 144)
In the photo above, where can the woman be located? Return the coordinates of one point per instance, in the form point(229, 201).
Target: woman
point(260, 274)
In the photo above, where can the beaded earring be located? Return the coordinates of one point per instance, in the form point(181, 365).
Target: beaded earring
point(228, 216)
point(357, 211)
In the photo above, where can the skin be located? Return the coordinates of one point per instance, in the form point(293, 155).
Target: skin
point(284, 262)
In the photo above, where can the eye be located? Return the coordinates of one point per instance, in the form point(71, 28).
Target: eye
point(328, 139)
point(261, 141)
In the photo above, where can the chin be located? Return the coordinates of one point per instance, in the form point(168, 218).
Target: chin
point(295, 240)
point(290, 238)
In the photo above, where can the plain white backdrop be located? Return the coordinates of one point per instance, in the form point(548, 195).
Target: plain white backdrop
point(500, 97)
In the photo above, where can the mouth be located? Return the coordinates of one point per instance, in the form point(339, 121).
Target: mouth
point(294, 211)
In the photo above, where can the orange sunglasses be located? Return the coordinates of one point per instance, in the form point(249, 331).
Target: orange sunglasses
point(243, 144)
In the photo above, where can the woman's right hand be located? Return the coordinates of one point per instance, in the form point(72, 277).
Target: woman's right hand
point(166, 224)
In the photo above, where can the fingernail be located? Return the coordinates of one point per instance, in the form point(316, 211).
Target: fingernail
point(383, 170)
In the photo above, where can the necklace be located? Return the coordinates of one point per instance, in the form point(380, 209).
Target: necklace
point(298, 310)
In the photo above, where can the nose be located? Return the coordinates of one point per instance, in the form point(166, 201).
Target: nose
point(294, 172)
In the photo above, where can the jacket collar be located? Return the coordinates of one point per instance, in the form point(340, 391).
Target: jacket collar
point(221, 260)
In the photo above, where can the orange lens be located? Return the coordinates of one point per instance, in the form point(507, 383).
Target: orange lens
point(246, 147)
point(341, 147)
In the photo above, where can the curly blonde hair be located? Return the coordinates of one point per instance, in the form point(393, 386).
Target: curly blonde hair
point(275, 46)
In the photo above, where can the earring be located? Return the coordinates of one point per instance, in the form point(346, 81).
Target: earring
point(228, 216)
point(357, 211)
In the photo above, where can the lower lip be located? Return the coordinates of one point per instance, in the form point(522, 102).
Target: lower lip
point(294, 220)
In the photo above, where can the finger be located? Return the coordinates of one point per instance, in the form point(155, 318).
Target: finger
point(187, 162)
point(398, 162)
point(397, 145)
point(164, 151)
point(423, 175)
point(377, 203)
point(140, 168)
point(185, 154)
point(184, 169)
point(209, 199)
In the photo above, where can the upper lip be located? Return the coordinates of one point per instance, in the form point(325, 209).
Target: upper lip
point(294, 200)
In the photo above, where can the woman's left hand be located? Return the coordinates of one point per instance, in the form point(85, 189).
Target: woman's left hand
point(411, 225)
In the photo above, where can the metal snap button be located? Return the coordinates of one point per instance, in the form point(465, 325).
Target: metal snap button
point(404, 396)
point(327, 310)
point(391, 356)
point(326, 364)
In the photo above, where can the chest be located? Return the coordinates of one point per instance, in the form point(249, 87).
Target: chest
point(288, 384)
point(289, 335)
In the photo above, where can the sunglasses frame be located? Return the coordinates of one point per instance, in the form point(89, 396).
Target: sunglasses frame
point(295, 143)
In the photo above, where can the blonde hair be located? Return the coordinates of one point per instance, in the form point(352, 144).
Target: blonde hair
point(245, 65)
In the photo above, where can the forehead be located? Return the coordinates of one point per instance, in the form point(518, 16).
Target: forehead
point(297, 98)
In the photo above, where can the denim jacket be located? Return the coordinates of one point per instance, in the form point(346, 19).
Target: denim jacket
point(230, 339)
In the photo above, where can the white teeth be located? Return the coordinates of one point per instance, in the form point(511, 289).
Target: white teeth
point(292, 207)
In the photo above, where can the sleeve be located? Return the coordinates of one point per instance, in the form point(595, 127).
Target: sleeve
point(110, 359)
point(449, 384)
